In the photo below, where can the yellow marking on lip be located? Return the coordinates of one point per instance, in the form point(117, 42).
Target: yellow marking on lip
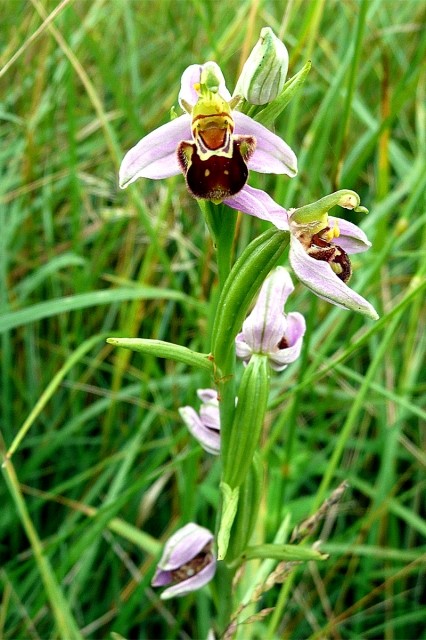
point(200, 116)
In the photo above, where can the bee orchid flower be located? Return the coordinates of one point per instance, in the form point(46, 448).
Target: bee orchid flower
point(214, 146)
point(320, 246)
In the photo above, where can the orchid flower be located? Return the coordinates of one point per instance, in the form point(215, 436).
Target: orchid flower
point(268, 330)
point(205, 426)
point(188, 562)
point(320, 246)
point(214, 146)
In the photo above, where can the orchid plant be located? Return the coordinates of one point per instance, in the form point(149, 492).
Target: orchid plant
point(215, 144)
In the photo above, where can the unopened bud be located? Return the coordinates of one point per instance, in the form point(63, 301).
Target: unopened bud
point(265, 70)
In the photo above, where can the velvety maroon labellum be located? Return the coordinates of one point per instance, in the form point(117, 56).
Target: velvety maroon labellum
point(218, 176)
point(338, 259)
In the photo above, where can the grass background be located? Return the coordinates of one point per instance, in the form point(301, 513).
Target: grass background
point(103, 471)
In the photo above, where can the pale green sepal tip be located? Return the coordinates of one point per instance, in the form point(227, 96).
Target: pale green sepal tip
point(315, 211)
point(210, 77)
point(229, 510)
point(286, 552)
point(163, 349)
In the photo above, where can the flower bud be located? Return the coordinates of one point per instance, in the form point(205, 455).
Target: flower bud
point(265, 70)
point(205, 426)
point(188, 562)
point(268, 330)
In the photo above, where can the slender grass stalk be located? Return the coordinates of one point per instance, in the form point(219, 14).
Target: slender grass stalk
point(65, 622)
point(76, 356)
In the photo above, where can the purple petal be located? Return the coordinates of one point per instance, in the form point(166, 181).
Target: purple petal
point(184, 545)
point(296, 327)
point(192, 584)
point(242, 349)
point(352, 239)
point(207, 395)
point(259, 204)
point(272, 154)
point(161, 578)
point(264, 337)
point(209, 439)
point(275, 290)
point(190, 77)
point(318, 276)
point(155, 155)
point(210, 416)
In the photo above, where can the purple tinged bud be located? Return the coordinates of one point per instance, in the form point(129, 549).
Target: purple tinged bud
point(205, 425)
point(268, 330)
point(188, 562)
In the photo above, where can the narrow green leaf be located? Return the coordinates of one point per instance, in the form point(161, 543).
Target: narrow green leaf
point(163, 349)
point(14, 319)
point(66, 625)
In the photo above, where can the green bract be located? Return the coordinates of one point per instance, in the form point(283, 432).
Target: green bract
point(246, 277)
point(248, 507)
point(163, 349)
point(248, 421)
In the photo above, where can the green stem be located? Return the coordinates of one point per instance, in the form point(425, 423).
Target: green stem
point(221, 221)
point(223, 580)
